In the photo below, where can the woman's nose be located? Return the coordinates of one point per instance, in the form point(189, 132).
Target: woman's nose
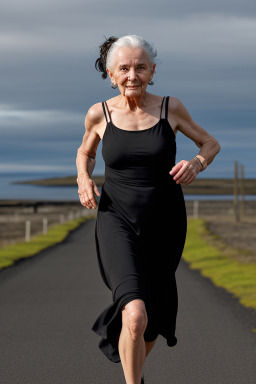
point(132, 74)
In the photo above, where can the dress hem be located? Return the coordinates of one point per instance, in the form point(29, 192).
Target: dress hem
point(109, 324)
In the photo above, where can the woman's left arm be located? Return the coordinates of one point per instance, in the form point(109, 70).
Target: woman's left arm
point(185, 171)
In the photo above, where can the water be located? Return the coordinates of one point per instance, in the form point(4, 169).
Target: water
point(34, 192)
point(217, 197)
point(37, 192)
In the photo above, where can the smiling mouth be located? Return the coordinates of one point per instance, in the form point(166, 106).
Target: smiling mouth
point(132, 86)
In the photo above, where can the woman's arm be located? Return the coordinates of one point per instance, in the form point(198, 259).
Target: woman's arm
point(85, 160)
point(186, 171)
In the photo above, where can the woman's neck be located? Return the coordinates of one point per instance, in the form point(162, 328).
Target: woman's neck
point(133, 103)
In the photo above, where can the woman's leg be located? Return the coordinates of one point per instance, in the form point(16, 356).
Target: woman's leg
point(131, 344)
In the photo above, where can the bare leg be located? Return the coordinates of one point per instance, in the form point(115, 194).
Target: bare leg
point(131, 344)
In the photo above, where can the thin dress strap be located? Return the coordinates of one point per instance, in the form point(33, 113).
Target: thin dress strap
point(104, 110)
point(166, 108)
point(108, 111)
point(162, 108)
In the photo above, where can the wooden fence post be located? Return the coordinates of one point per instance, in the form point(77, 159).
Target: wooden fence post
point(195, 209)
point(61, 218)
point(27, 230)
point(45, 225)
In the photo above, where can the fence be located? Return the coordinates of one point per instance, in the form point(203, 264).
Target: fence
point(201, 208)
point(19, 223)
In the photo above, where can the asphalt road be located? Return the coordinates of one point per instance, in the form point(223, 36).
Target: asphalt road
point(48, 304)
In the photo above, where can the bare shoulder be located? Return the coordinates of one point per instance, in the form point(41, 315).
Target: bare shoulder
point(95, 116)
point(95, 121)
point(176, 106)
point(178, 109)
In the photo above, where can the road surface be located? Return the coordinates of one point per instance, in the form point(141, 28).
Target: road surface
point(49, 302)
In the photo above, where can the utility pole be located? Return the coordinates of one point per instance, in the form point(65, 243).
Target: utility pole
point(236, 193)
point(242, 213)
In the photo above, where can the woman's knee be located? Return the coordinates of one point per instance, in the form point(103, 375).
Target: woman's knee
point(135, 318)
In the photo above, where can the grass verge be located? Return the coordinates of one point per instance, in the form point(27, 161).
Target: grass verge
point(10, 253)
point(236, 277)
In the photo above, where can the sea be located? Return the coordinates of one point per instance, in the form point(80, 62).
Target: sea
point(69, 193)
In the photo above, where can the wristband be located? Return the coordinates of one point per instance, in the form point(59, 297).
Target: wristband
point(202, 166)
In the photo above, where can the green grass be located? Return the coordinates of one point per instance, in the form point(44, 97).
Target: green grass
point(10, 253)
point(236, 277)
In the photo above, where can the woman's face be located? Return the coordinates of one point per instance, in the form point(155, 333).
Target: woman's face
point(131, 71)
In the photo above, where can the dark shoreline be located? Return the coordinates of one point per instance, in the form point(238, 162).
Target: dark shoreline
point(207, 186)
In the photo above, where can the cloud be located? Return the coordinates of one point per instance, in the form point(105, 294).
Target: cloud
point(17, 167)
point(203, 53)
point(206, 53)
point(11, 118)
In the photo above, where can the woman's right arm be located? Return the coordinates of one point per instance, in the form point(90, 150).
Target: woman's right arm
point(85, 160)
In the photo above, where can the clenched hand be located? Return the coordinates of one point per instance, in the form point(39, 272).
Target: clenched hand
point(86, 187)
point(185, 171)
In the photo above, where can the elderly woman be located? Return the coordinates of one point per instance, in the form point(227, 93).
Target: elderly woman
point(141, 220)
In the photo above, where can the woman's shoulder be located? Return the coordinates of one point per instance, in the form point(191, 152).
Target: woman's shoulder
point(173, 103)
point(95, 114)
point(176, 106)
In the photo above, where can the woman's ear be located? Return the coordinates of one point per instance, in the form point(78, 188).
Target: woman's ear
point(153, 70)
point(110, 74)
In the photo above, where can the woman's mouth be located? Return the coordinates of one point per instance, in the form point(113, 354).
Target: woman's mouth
point(132, 86)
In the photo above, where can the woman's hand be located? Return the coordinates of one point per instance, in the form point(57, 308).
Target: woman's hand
point(185, 171)
point(86, 187)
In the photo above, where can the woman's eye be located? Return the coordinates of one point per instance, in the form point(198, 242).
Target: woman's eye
point(141, 68)
point(123, 68)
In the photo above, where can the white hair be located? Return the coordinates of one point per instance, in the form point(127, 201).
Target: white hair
point(131, 41)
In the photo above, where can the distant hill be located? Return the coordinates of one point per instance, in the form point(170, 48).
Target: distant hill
point(197, 187)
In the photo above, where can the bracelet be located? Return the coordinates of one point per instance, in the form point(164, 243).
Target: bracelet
point(200, 163)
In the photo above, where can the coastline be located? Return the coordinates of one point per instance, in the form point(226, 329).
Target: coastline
point(201, 186)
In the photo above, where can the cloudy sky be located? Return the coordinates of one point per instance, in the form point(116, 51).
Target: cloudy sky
point(206, 58)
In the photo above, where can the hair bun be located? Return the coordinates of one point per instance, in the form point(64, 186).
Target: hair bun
point(100, 63)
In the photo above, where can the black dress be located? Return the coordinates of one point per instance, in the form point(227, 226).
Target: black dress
point(140, 229)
